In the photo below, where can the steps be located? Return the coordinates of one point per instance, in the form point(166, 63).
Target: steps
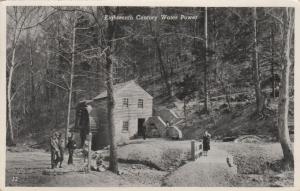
point(157, 125)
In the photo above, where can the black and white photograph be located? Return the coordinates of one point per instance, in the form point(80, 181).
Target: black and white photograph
point(140, 96)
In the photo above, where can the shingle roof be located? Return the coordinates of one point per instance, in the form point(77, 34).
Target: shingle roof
point(116, 88)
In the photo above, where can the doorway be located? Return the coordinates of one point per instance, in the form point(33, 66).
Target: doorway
point(141, 122)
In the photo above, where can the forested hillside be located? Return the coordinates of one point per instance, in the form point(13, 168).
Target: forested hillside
point(225, 61)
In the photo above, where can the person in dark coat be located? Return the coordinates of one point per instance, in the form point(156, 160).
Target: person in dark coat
point(71, 146)
point(61, 149)
point(84, 124)
point(144, 130)
point(206, 143)
point(54, 149)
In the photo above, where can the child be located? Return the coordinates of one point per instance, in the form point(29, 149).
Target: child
point(71, 147)
point(85, 150)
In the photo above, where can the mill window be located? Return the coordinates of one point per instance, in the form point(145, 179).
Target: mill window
point(140, 103)
point(125, 126)
point(125, 102)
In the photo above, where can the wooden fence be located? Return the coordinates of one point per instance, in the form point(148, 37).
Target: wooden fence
point(196, 150)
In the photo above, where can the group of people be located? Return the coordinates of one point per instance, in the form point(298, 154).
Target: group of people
point(57, 147)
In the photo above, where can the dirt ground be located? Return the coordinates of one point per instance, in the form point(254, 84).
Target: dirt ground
point(160, 164)
point(27, 169)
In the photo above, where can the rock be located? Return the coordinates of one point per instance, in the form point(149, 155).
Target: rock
point(106, 148)
point(105, 166)
point(228, 162)
point(248, 139)
point(101, 169)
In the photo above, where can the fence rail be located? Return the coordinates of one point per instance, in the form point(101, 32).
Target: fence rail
point(196, 150)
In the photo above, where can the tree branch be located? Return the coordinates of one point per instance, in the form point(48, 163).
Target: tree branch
point(56, 85)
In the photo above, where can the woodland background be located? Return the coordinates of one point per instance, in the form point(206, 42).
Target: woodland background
point(225, 65)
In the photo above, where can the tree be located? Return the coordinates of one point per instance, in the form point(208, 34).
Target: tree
point(272, 60)
point(110, 32)
point(256, 68)
point(205, 76)
point(71, 53)
point(19, 19)
point(71, 76)
point(283, 103)
point(155, 32)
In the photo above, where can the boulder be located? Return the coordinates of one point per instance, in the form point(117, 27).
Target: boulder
point(248, 139)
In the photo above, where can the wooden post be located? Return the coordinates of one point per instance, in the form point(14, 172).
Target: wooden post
point(200, 150)
point(200, 146)
point(89, 151)
point(193, 157)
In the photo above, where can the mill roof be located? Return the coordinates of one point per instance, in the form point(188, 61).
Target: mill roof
point(119, 87)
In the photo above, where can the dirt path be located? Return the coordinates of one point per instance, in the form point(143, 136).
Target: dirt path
point(209, 171)
point(26, 169)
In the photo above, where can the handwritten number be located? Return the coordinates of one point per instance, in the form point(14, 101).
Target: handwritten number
point(15, 179)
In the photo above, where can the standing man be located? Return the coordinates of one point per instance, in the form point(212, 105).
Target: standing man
point(54, 149)
point(71, 147)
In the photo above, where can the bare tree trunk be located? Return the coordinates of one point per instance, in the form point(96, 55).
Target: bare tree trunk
point(258, 95)
point(113, 161)
point(164, 73)
point(224, 87)
point(31, 79)
point(283, 105)
point(32, 89)
point(205, 63)
point(272, 62)
point(10, 140)
point(227, 95)
point(71, 81)
point(21, 16)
